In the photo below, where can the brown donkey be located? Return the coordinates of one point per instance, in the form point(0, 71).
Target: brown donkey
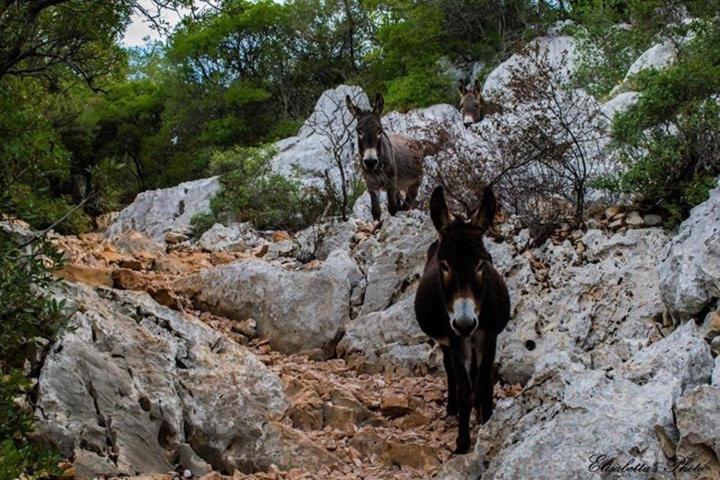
point(388, 162)
point(473, 107)
point(463, 303)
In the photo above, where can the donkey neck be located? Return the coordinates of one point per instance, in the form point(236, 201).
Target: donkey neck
point(388, 150)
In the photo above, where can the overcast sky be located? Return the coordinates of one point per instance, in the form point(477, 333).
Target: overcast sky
point(139, 28)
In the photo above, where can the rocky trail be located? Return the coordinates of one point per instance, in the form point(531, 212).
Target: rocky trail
point(242, 352)
point(376, 425)
point(252, 354)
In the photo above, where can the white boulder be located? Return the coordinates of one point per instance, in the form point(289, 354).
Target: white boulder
point(294, 310)
point(155, 212)
point(689, 267)
point(132, 388)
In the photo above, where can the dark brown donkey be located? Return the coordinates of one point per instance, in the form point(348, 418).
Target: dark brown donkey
point(388, 162)
point(463, 303)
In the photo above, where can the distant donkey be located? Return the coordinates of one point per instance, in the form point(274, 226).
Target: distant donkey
point(388, 162)
point(473, 107)
point(463, 303)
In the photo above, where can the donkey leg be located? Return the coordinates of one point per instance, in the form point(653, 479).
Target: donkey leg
point(452, 405)
point(462, 370)
point(411, 195)
point(484, 385)
point(392, 199)
point(375, 205)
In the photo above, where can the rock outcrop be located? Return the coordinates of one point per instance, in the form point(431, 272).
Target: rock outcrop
point(571, 421)
point(559, 52)
point(155, 212)
point(294, 310)
point(698, 425)
point(131, 387)
point(690, 264)
point(601, 307)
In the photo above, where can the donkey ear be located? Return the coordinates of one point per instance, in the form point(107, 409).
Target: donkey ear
point(438, 210)
point(354, 110)
point(476, 86)
point(485, 214)
point(462, 89)
point(378, 104)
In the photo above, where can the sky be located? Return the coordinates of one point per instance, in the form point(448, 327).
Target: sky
point(139, 28)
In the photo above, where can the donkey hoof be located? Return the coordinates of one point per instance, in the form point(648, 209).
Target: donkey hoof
point(462, 448)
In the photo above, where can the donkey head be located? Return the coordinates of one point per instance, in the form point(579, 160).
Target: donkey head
point(463, 262)
point(472, 104)
point(369, 132)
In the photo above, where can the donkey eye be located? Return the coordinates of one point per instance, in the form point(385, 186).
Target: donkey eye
point(444, 267)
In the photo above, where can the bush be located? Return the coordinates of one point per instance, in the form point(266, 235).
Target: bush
point(673, 169)
point(419, 89)
point(670, 140)
point(42, 211)
point(18, 455)
point(251, 192)
point(25, 314)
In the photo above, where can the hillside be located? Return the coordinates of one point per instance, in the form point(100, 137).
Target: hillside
point(269, 354)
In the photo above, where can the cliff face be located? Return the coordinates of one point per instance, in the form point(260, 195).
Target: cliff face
point(283, 355)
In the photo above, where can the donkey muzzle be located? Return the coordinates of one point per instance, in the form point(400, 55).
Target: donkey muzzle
point(464, 318)
point(370, 163)
point(464, 326)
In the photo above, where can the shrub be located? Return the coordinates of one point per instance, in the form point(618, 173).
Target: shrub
point(41, 211)
point(418, 89)
point(542, 156)
point(18, 455)
point(670, 140)
point(25, 314)
point(673, 168)
point(251, 192)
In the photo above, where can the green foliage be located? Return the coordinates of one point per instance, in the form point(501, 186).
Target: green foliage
point(251, 192)
point(419, 89)
point(42, 211)
point(612, 34)
point(33, 160)
point(669, 139)
point(18, 455)
point(25, 314)
point(676, 90)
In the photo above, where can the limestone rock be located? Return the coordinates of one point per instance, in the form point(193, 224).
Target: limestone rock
point(389, 340)
point(154, 212)
point(620, 103)
point(294, 310)
point(601, 311)
point(683, 356)
point(236, 236)
point(561, 54)
point(395, 258)
point(133, 387)
point(89, 275)
point(658, 57)
point(699, 425)
point(689, 268)
point(308, 156)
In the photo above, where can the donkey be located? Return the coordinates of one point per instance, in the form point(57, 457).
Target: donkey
point(388, 162)
point(463, 303)
point(473, 107)
point(472, 104)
